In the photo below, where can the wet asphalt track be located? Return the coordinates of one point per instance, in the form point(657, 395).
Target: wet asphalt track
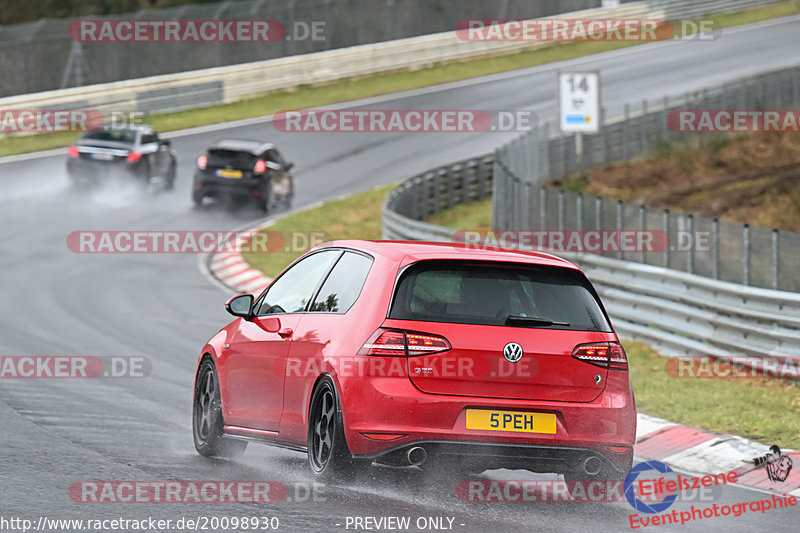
point(55, 302)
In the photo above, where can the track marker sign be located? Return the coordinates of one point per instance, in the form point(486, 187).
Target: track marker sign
point(579, 102)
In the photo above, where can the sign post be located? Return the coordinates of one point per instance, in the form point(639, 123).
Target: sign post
point(579, 106)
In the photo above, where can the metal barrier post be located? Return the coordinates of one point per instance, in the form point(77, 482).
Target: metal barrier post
point(715, 248)
point(665, 222)
point(746, 254)
point(690, 251)
point(775, 259)
point(619, 225)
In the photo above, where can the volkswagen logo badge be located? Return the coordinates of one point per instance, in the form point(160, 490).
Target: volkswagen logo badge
point(512, 352)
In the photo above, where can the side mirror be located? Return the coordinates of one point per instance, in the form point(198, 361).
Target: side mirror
point(241, 305)
point(289, 165)
point(166, 142)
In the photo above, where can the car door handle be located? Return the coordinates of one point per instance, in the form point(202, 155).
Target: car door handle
point(286, 332)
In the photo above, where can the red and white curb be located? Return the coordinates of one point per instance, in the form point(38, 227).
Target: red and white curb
point(232, 270)
point(698, 451)
point(683, 448)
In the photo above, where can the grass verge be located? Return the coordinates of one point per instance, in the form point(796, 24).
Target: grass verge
point(759, 409)
point(763, 410)
point(354, 217)
point(363, 87)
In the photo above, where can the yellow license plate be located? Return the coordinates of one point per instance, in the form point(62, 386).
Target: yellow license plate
point(225, 173)
point(519, 421)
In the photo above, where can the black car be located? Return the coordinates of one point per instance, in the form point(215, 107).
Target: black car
point(133, 151)
point(243, 169)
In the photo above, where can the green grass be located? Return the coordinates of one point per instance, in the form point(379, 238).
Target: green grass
point(472, 216)
point(759, 409)
point(763, 410)
point(304, 97)
point(354, 217)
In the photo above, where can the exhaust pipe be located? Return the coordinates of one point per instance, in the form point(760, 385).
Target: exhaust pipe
point(592, 465)
point(416, 456)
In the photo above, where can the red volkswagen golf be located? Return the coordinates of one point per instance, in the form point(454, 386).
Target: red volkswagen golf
point(426, 354)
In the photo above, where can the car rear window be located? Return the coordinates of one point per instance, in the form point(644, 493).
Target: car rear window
point(120, 136)
point(218, 157)
point(488, 293)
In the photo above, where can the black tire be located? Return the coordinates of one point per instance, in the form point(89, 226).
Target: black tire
point(287, 200)
point(328, 455)
point(207, 421)
point(171, 173)
point(146, 173)
point(263, 202)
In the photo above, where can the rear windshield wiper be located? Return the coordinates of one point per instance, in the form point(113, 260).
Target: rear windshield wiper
point(517, 320)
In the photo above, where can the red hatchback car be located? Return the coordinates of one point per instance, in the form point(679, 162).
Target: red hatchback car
point(427, 354)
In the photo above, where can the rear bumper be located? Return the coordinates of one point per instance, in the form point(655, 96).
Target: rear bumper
point(492, 455)
point(214, 187)
point(97, 172)
point(381, 406)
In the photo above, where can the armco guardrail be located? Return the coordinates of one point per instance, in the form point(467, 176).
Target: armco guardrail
point(232, 83)
point(170, 92)
point(676, 312)
point(735, 252)
point(43, 57)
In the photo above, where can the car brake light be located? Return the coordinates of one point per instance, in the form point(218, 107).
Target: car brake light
point(260, 167)
point(385, 342)
point(398, 343)
point(201, 162)
point(603, 354)
point(133, 157)
point(419, 343)
point(73, 151)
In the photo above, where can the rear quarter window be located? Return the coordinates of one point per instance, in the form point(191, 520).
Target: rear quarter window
point(487, 294)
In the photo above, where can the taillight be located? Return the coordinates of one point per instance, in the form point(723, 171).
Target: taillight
point(260, 167)
point(398, 343)
point(201, 162)
point(609, 355)
point(133, 157)
point(73, 151)
point(385, 342)
point(420, 343)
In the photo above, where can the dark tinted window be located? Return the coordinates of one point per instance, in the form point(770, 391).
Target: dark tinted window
point(219, 158)
point(291, 292)
point(104, 134)
point(480, 293)
point(148, 138)
point(340, 291)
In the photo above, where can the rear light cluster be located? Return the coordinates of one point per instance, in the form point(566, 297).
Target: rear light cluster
point(399, 343)
point(73, 151)
point(603, 354)
point(202, 161)
point(133, 157)
point(260, 167)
